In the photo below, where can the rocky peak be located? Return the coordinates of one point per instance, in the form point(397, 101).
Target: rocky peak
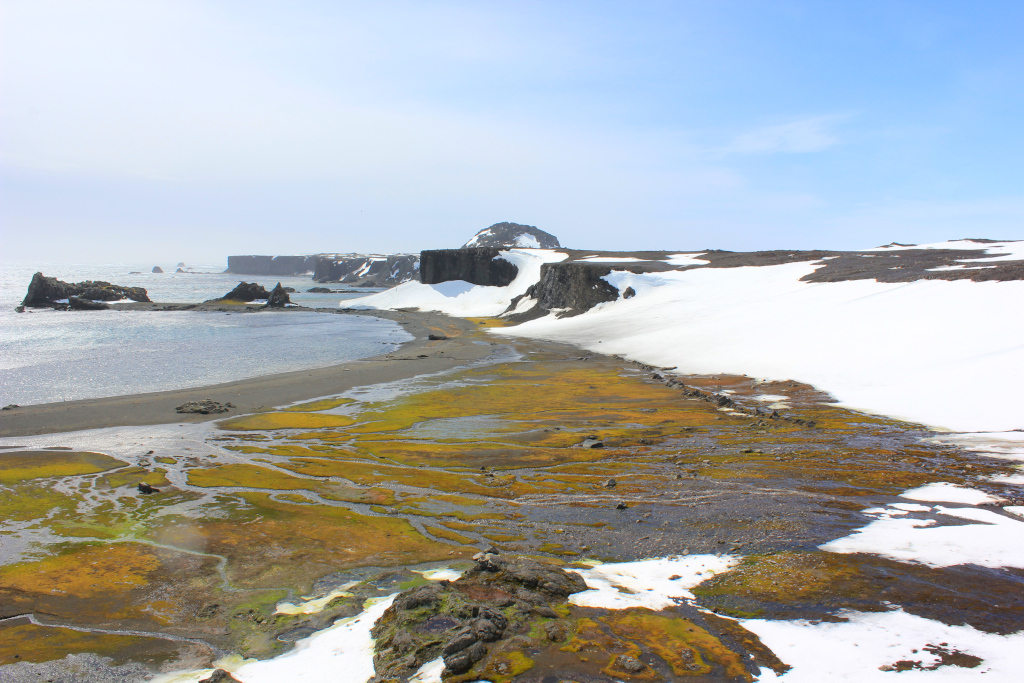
point(513, 235)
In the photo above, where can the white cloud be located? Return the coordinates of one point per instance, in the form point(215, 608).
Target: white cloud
point(795, 137)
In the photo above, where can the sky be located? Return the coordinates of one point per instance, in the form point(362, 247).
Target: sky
point(188, 130)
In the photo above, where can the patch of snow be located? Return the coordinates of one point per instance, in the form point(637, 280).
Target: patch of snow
point(856, 649)
point(654, 584)
point(960, 267)
point(687, 260)
point(346, 647)
point(1015, 510)
point(527, 241)
point(770, 398)
point(443, 574)
point(995, 540)
point(911, 507)
point(610, 259)
point(1004, 445)
point(944, 492)
point(314, 605)
point(461, 298)
point(899, 349)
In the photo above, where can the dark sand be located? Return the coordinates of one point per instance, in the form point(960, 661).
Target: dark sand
point(252, 395)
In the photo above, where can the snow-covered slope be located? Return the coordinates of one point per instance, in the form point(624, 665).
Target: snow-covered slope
point(460, 298)
point(948, 354)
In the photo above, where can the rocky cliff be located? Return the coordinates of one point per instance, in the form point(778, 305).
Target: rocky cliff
point(367, 271)
point(271, 265)
point(480, 266)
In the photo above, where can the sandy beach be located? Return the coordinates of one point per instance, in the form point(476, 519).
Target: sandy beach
point(416, 357)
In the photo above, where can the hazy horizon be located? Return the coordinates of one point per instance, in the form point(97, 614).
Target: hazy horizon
point(161, 131)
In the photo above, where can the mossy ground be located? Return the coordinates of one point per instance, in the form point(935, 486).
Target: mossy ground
point(481, 456)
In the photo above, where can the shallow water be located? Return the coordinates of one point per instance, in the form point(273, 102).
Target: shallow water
point(48, 356)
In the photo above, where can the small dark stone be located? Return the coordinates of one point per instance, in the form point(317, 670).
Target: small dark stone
point(621, 506)
point(219, 676)
point(628, 293)
point(146, 489)
point(436, 337)
point(610, 484)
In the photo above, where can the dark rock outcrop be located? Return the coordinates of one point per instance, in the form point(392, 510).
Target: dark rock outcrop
point(573, 287)
point(44, 292)
point(481, 266)
point(271, 265)
point(500, 599)
point(505, 235)
point(278, 297)
point(247, 291)
point(157, 269)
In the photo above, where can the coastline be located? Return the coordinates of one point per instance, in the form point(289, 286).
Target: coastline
point(416, 357)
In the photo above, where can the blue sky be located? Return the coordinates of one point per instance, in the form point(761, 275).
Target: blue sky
point(136, 130)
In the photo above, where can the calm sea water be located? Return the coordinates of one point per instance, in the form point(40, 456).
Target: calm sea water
point(48, 356)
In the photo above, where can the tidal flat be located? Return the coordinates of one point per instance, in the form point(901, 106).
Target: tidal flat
point(538, 451)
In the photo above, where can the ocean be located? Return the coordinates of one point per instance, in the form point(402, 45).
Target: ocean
point(49, 356)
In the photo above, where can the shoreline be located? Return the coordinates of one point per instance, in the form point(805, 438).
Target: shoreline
point(415, 357)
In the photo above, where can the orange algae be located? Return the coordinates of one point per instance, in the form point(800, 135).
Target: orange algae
point(17, 466)
point(27, 642)
point(285, 420)
point(87, 571)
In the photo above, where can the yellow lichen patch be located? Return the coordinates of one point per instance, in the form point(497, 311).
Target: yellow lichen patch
point(239, 474)
point(279, 541)
point(27, 642)
point(501, 667)
point(322, 404)
point(374, 496)
point(85, 572)
point(477, 454)
point(31, 501)
point(503, 537)
point(16, 466)
point(686, 647)
point(524, 391)
point(785, 577)
point(449, 535)
point(165, 460)
point(132, 476)
point(285, 420)
point(373, 474)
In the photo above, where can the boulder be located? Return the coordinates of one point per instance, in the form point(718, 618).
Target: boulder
point(278, 297)
point(246, 291)
point(157, 269)
point(46, 291)
point(204, 407)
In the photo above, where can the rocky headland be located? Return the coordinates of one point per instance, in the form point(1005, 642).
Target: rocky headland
point(48, 292)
